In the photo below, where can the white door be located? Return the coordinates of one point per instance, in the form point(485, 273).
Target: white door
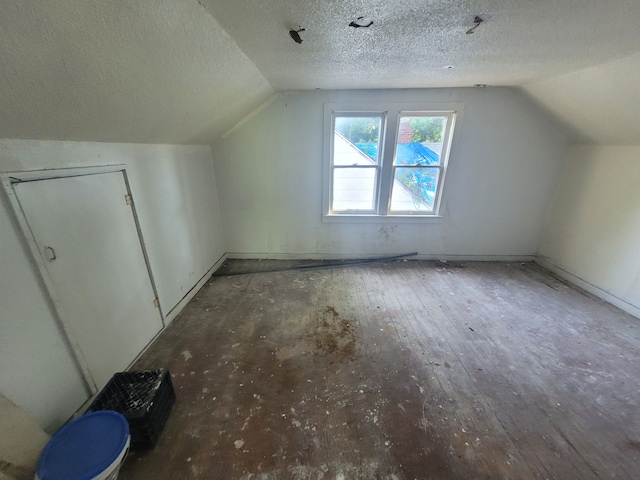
point(88, 239)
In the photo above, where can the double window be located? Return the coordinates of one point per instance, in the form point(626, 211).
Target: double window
point(386, 162)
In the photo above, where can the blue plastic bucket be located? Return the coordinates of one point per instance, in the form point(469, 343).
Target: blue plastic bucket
point(91, 447)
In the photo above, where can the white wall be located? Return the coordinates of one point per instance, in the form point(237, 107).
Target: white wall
point(176, 201)
point(21, 442)
point(593, 230)
point(503, 169)
point(36, 370)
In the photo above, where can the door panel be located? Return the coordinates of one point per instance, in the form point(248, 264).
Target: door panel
point(89, 243)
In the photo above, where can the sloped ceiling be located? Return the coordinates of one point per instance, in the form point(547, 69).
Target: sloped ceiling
point(185, 71)
point(142, 71)
point(596, 105)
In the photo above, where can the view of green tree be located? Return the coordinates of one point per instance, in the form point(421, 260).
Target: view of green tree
point(427, 129)
point(367, 129)
point(418, 178)
point(359, 129)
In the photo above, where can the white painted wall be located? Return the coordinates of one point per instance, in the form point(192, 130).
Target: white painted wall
point(593, 230)
point(21, 442)
point(36, 370)
point(176, 200)
point(504, 165)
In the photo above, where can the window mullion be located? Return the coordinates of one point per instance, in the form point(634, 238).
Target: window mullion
point(386, 161)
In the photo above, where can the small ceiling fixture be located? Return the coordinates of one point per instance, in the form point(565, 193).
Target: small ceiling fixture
point(361, 22)
point(295, 34)
point(476, 23)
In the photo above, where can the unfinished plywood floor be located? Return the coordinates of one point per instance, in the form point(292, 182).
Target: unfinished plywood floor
point(403, 370)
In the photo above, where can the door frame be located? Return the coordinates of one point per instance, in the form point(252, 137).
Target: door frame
point(8, 180)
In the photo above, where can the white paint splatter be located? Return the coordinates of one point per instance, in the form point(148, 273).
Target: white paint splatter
point(239, 444)
point(187, 355)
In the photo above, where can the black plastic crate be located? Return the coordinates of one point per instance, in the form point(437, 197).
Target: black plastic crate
point(144, 398)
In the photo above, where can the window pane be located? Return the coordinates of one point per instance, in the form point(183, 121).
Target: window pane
point(414, 189)
point(420, 140)
point(356, 140)
point(353, 188)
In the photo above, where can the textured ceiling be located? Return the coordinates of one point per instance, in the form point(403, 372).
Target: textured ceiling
point(185, 71)
point(413, 41)
point(141, 71)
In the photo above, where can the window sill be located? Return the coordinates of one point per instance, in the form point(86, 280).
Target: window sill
point(359, 218)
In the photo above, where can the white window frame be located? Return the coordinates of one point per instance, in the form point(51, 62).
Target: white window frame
point(390, 114)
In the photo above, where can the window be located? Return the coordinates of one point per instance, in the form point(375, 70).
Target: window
point(389, 162)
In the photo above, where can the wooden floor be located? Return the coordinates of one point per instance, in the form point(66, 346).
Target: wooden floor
point(401, 370)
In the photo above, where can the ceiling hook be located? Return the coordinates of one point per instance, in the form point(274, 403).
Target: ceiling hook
point(477, 21)
point(295, 34)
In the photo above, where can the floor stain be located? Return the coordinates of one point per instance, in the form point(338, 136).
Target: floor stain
point(336, 337)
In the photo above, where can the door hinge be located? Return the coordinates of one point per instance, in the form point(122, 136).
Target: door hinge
point(156, 302)
point(128, 199)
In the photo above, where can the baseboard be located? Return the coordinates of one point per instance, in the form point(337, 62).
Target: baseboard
point(359, 256)
point(173, 313)
point(589, 287)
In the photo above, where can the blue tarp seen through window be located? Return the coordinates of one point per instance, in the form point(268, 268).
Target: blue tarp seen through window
point(412, 153)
